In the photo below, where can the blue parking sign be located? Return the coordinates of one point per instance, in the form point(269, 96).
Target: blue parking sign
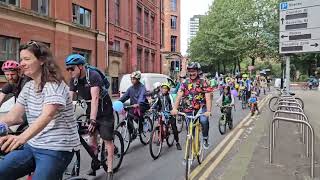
point(284, 6)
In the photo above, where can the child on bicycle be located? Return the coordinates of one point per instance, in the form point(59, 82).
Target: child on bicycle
point(226, 99)
point(164, 104)
point(254, 101)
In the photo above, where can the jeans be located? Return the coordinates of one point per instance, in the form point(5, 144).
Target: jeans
point(46, 164)
point(204, 121)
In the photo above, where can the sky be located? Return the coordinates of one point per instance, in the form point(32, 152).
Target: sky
point(188, 9)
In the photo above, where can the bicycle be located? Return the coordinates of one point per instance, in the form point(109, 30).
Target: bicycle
point(194, 143)
point(223, 121)
point(128, 137)
point(273, 102)
point(97, 160)
point(162, 132)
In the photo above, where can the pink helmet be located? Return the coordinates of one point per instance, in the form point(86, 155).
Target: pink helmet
point(10, 65)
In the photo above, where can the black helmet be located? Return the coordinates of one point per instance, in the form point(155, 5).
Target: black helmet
point(194, 65)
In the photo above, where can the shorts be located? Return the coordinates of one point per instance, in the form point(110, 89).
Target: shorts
point(105, 127)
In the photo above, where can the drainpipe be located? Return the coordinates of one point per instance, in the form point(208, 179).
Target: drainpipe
point(96, 28)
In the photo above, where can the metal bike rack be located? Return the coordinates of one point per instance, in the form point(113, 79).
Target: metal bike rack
point(271, 139)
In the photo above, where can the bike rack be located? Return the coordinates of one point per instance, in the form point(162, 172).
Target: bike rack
point(271, 139)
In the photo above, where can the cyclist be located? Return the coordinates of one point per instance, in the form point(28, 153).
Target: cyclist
point(137, 95)
point(248, 85)
point(16, 81)
point(99, 105)
point(164, 104)
point(226, 99)
point(254, 100)
point(195, 93)
point(46, 146)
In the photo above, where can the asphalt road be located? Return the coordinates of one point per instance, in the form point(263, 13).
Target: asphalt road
point(139, 165)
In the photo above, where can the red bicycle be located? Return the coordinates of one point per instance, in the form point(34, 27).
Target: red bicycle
point(163, 131)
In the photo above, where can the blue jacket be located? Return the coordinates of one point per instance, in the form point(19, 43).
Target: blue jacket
point(136, 94)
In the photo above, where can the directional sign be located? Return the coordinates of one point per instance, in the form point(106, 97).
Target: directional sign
point(299, 26)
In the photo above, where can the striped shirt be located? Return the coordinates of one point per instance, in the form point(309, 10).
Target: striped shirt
point(61, 133)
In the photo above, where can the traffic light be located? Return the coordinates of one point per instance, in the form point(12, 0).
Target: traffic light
point(177, 66)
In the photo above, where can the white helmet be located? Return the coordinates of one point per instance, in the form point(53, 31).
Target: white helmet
point(157, 84)
point(136, 74)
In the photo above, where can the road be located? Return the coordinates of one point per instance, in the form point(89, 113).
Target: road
point(138, 164)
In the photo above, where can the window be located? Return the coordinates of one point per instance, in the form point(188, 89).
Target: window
point(173, 4)
point(84, 53)
point(146, 24)
point(81, 15)
point(40, 6)
point(146, 61)
point(139, 58)
point(139, 23)
point(116, 46)
point(9, 49)
point(173, 43)
point(162, 35)
point(173, 22)
point(152, 27)
point(117, 12)
point(12, 2)
point(115, 85)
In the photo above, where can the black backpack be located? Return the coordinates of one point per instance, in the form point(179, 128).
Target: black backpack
point(104, 78)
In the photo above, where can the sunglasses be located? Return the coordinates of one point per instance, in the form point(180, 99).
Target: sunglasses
point(71, 68)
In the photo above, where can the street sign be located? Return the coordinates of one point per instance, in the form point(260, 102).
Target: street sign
point(299, 26)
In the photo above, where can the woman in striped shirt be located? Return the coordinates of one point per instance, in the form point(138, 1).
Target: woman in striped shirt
point(46, 147)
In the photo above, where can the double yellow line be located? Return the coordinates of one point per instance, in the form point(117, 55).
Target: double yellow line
point(238, 130)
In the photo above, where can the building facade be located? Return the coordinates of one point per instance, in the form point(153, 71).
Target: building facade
point(170, 35)
point(68, 26)
point(193, 27)
point(134, 37)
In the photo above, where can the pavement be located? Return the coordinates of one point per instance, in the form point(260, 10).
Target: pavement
point(248, 158)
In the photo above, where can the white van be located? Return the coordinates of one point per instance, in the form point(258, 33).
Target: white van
point(148, 79)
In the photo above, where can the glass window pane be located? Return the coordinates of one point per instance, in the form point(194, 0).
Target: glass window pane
point(13, 2)
point(81, 16)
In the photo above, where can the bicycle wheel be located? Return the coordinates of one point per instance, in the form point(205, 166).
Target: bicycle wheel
point(230, 122)
point(180, 122)
point(188, 158)
point(122, 128)
point(147, 129)
point(300, 102)
point(116, 118)
point(199, 144)
point(155, 144)
point(170, 136)
point(222, 125)
point(273, 102)
point(118, 151)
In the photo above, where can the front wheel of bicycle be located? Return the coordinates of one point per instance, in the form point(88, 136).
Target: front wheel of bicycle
point(273, 103)
point(155, 143)
point(117, 153)
point(170, 136)
point(222, 125)
point(199, 140)
point(122, 128)
point(146, 130)
point(188, 158)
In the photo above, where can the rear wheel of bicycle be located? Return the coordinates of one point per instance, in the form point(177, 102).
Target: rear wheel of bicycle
point(155, 143)
point(118, 153)
point(170, 136)
point(122, 128)
point(273, 102)
point(222, 125)
point(146, 130)
point(188, 159)
point(180, 122)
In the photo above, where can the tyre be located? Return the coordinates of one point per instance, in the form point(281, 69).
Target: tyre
point(300, 102)
point(118, 151)
point(200, 155)
point(222, 124)
point(230, 124)
point(180, 122)
point(273, 103)
point(188, 159)
point(116, 118)
point(170, 136)
point(122, 128)
point(155, 144)
point(147, 130)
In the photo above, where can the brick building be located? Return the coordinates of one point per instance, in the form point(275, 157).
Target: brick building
point(134, 37)
point(66, 26)
point(171, 34)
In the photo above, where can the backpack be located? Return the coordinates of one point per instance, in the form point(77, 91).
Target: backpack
point(104, 78)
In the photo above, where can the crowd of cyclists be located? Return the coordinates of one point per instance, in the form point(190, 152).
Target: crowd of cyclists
point(47, 135)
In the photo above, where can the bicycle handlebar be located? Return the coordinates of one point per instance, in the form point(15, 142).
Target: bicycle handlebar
point(191, 117)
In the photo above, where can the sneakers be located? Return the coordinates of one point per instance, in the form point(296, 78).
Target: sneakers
point(206, 144)
point(178, 146)
point(109, 175)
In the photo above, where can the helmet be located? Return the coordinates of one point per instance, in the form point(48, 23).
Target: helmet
point(136, 74)
point(157, 84)
point(10, 65)
point(194, 65)
point(75, 59)
point(165, 84)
